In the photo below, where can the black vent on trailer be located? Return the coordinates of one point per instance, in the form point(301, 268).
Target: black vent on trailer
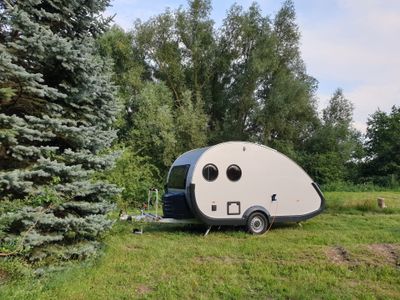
point(176, 207)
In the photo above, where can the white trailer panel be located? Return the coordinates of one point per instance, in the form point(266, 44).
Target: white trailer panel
point(227, 183)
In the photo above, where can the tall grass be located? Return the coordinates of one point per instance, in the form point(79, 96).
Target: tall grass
point(345, 186)
point(362, 202)
point(351, 251)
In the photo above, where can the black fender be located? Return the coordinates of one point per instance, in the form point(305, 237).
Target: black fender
point(255, 208)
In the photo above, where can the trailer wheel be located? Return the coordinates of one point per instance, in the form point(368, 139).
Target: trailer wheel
point(257, 223)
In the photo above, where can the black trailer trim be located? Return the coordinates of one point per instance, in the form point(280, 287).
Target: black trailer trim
point(242, 221)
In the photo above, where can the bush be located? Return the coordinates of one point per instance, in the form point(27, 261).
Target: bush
point(135, 175)
point(389, 181)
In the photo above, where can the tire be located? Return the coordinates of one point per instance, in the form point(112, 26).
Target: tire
point(257, 223)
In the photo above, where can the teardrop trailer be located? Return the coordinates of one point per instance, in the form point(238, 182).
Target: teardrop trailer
point(239, 183)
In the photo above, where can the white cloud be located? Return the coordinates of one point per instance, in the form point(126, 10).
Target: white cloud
point(360, 126)
point(358, 49)
point(127, 11)
point(369, 98)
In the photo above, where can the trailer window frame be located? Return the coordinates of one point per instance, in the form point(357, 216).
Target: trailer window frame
point(179, 184)
point(206, 176)
point(237, 172)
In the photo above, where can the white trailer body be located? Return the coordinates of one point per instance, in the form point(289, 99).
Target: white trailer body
point(230, 183)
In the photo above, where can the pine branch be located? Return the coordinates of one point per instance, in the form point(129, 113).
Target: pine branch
point(8, 4)
point(21, 243)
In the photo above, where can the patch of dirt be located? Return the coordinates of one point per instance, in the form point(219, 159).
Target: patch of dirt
point(338, 255)
point(353, 283)
point(133, 247)
point(387, 253)
point(3, 276)
point(143, 289)
point(372, 255)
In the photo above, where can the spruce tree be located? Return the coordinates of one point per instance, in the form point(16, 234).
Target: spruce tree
point(57, 107)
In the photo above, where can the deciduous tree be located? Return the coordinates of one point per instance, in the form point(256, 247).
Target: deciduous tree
point(335, 144)
point(383, 147)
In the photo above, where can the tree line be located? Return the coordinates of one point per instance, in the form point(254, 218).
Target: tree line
point(91, 113)
point(185, 84)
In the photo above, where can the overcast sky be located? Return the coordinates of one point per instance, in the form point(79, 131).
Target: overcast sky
point(352, 44)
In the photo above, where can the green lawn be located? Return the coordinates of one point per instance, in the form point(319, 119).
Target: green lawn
point(350, 251)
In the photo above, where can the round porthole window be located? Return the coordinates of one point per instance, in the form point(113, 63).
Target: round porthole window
point(234, 172)
point(210, 172)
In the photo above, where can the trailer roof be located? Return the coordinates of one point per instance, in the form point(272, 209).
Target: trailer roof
point(190, 157)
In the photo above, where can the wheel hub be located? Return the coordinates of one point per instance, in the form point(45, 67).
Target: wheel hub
point(257, 224)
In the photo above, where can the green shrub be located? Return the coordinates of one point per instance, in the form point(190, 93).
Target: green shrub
point(135, 175)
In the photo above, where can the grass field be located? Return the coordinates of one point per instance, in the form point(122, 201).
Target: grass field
point(350, 251)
